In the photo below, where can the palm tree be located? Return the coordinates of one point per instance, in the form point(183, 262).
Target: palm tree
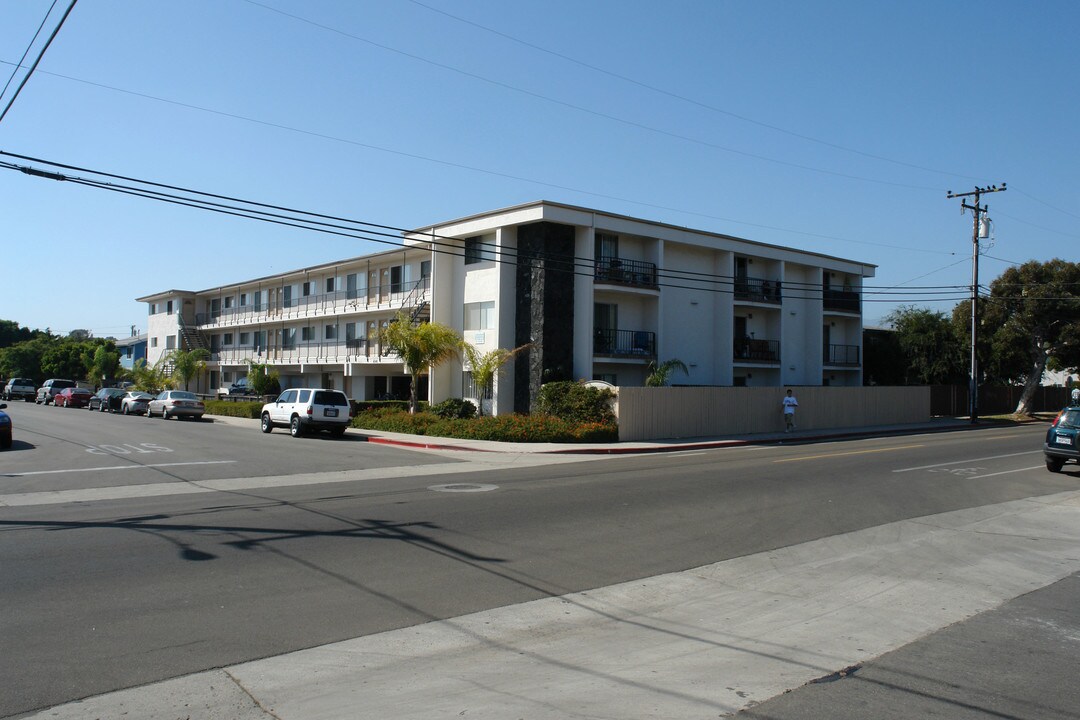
point(148, 378)
point(421, 347)
point(658, 374)
point(188, 364)
point(485, 367)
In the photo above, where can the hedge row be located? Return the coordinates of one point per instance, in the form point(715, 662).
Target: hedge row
point(239, 408)
point(503, 428)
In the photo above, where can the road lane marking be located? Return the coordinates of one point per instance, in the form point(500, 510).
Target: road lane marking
point(853, 452)
point(960, 462)
point(117, 467)
point(1005, 472)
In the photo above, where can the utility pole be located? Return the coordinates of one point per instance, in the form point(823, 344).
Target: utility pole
point(977, 211)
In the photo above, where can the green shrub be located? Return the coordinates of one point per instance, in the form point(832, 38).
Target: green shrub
point(454, 408)
point(577, 403)
point(229, 408)
point(359, 406)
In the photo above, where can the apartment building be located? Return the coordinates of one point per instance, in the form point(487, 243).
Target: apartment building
point(595, 295)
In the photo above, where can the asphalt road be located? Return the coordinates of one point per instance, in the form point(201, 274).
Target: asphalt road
point(116, 593)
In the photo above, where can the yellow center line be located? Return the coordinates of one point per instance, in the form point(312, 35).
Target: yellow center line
point(854, 452)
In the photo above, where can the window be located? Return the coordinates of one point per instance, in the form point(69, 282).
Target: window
point(153, 342)
point(245, 339)
point(286, 295)
point(215, 308)
point(228, 302)
point(170, 342)
point(227, 339)
point(260, 339)
point(258, 300)
point(607, 377)
point(168, 307)
point(309, 288)
point(476, 250)
point(330, 284)
point(226, 376)
point(350, 286)
point(395, 279)
point(153, 308)
point(480, 316)
point(331, 332)
point(606, 246)
point(243, 299)
point(288, 338)
point(307, 333)
point(425, 268)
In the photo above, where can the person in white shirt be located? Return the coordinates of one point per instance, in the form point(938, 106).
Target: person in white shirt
point(789, 403)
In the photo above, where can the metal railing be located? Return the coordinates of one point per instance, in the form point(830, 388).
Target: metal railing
point(842, 300)
point(842, 355)
point(625, 272)
point(752, 350)
point(624, 343)
point(758, 290)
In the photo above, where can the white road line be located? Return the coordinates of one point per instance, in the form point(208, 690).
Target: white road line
point(961, 462)
point(1004, 472)
point(117, 467)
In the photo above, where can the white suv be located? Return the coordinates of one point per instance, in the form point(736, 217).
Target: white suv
point(304, 409)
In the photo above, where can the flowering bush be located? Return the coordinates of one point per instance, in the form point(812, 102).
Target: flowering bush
point(503, 428)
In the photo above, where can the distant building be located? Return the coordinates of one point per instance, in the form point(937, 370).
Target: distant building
point(598, 296)
point(132, 349)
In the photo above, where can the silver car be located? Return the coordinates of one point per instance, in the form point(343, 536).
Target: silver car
point(177, 404)
point(134, 402)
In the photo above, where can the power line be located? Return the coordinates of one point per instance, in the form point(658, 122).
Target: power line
point(41, 54)
point(387, 234)
point(29, 46)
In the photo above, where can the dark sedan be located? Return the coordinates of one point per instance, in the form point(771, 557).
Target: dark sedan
point(5, 428)
point(72, 397)
point(1061, 439)
point(106, 399)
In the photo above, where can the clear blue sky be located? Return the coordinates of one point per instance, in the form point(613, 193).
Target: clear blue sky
point(835, 127)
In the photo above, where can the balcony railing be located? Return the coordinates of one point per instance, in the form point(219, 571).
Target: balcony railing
point(327, 351)
point(752, 350)
point(624, 343)
point(377, 295)
point(841, 300)
point(842, 355)
point(758, 290)
point(625, 272)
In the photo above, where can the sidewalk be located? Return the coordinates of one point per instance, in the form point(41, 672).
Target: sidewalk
point(666, 445)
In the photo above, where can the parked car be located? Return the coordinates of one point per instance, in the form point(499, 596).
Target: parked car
point(5, 428)
point(240, 387)
point(72, 397)
point(177, 404)
point(106, 399)
point(20, 388)
point(49, 388)
point(134, 402)
point(304, 409)
point(1063, 439)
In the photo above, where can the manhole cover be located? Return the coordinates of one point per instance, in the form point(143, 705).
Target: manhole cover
point(463, 487)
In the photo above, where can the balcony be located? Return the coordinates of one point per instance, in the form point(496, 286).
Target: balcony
point(624, 343)
point(619, 271)
point(847, 355)
point(752, 350)
point(841, 300)
point(758, 290)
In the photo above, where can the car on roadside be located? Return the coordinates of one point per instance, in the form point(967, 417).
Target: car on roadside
point(134, 402)
point(20, 388)
point(177, 404)
point(1063, 439)
point(5, 428)
point(238, 388)
point(106, 399)
point(76, 397)
point(303, 410)
point(49, 388)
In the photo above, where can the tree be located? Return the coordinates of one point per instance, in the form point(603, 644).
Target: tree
point(64, 360)
point(927, 338)
point(24, 359)
point(148, 378)
point(486, 367)
point(102, 361)
point(188, 364)
point(1033, 318)
point(658, 374)
point(421, 347)
point(261, 379)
